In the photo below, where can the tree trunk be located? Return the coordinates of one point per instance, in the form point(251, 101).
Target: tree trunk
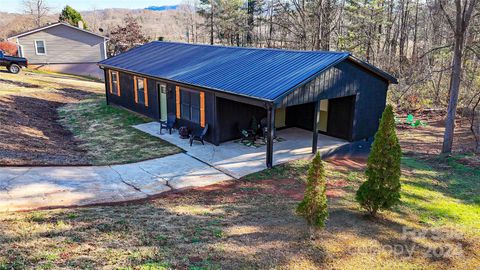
point(250, 20)
point(415, 31)
point(211, 24)
point(475, 126)
point(454, 90)
point(462, 21)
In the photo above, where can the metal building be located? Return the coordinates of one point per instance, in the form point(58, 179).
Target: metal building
point(225, 87)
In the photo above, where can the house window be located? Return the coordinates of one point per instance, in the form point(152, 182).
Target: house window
point(114, 83)
point(191, 106)
point(40, 48)
point(140, 90)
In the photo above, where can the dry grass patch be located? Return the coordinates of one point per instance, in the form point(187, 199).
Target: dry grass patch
point(107, 135)
point(58, 119)
point(30, 132)
point(244, 225)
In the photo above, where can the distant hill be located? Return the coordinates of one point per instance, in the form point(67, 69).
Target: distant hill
point(162, 8)
point(169, 24)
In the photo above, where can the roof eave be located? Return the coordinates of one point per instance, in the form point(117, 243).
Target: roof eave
point(53, 25)
point(103, 66)
point(374, 69)
point(282, 96)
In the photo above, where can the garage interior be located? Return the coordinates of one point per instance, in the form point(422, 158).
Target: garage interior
point(335, 117)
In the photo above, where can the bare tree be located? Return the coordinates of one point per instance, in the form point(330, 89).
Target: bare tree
point(208, 10)
point(126, 36)
point(463, 14)
point(475, 123)
point(38, 9)
point(188, 20)
point(95, 18)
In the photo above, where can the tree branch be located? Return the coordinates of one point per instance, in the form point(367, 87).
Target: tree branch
point(435, 49)
point(449, 20)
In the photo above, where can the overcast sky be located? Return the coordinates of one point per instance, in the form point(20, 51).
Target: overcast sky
point(57, 5)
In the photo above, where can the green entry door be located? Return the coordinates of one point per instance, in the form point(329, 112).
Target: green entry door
point(162, 101)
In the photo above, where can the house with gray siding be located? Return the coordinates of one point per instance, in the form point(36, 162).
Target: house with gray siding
point(63, 48)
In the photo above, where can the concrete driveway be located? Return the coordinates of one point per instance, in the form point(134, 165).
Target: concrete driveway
point(238, 160)
point(26, 188)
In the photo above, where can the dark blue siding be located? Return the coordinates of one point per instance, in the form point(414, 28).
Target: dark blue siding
point(127, 100)
point(127, 96)
point(347, 79)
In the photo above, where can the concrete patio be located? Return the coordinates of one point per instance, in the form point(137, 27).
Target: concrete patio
point(237, 160)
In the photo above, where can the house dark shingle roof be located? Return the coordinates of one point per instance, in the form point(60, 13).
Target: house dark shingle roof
point(259, 73)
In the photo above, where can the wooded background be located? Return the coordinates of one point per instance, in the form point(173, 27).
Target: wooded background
point(411, 39)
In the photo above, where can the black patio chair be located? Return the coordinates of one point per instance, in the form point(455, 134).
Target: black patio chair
point(169, 124)
point(264, 129)
point(198, 135)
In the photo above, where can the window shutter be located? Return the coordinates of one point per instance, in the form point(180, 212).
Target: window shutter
point(202, 109)
point(135, 90)
point(110, 79)
point(118, 83)
point(177, 90)
point(145, 91)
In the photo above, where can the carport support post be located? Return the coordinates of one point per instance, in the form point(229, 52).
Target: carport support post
point(316, 119)
point(270, 126)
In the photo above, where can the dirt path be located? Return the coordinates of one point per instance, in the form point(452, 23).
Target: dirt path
point(30, 131)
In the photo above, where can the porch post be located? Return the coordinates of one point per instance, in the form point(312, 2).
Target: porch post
point(316, 119)
point(270, 127)
point(106, 86)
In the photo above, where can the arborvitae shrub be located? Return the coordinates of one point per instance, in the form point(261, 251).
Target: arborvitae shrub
point(314, 205)
point(381, 190)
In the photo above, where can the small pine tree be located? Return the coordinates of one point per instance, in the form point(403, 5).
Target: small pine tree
point(71, 16)
point(314, 205)
point(382, 188)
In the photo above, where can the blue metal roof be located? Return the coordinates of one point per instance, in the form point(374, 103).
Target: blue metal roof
point(259, 73)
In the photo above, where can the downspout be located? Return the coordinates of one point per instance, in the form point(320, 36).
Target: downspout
point(104, 49)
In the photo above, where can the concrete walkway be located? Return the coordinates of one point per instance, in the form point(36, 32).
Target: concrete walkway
point(26, 188)
point(238, 160)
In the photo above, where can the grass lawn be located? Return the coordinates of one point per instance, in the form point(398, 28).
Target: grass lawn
point(65, 75)
point(250, 224)
point(107, 135)
point(58, 119)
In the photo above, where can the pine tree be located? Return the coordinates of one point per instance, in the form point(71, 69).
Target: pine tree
point(71, 16)
point(314, 205)
point(382, 188)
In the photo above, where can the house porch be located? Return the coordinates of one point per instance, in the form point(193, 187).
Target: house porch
point(238, 160)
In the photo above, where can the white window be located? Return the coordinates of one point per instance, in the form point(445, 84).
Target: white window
point(114, 83)
point(140, 88)
point(40, 48)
